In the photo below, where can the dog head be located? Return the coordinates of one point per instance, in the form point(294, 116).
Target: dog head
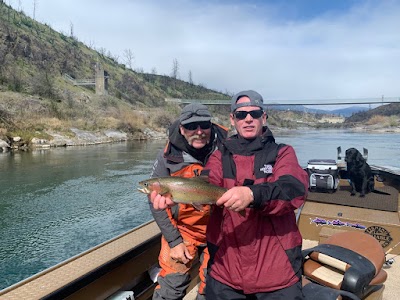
point(353, 156)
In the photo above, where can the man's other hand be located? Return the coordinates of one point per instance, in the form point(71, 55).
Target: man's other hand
point(161, 201)
point(180, 253)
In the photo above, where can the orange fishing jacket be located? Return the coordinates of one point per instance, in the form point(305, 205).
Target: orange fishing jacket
point(182, 219)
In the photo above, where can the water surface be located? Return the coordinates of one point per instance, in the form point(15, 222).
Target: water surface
point(57, 203)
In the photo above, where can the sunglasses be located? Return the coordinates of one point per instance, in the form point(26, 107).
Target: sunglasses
point(255, 114)
point(194, 126)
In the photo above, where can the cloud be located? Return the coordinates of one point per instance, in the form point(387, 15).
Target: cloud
point(339, 52)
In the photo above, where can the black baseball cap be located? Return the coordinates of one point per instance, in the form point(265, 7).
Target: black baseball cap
point(194, 112)
point(255, 100)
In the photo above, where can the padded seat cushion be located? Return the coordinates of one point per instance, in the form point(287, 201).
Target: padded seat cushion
point(361, 243)
point(349, 261)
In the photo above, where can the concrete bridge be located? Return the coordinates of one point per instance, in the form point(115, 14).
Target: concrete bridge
point(270, 102)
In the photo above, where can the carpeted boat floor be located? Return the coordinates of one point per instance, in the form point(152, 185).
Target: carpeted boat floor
point(371, 200)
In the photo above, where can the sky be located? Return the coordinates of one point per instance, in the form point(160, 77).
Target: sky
point(299, 49)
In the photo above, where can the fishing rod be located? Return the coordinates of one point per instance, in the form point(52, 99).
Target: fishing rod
point(390, 261)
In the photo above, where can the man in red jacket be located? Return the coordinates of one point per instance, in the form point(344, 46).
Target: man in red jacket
point(258, 255)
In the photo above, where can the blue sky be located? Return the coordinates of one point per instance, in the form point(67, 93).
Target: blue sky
point(304, 49)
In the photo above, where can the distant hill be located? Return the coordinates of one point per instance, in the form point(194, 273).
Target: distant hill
point(348, 111)
point(388, 110)
point(344, 112)
point(299, 108)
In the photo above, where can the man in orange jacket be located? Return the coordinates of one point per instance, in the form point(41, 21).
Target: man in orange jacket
point(192, 139)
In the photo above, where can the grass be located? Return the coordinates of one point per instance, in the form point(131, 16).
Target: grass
point(384, 121)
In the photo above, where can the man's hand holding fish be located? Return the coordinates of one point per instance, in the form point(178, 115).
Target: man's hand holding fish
point(161, 201)
point(236, 198)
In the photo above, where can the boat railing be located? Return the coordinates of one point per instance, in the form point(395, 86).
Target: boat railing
point(115, 265)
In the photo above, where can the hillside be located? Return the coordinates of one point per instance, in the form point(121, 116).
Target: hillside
point(389, 110)
point(36, 99)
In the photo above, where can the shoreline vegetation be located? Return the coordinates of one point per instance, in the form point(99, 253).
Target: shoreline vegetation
point(78, 137)
point(33, 122)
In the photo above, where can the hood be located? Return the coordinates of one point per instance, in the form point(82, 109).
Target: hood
point(242, 146)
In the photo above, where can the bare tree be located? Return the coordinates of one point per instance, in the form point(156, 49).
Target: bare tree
point(175, 68)
point(139, 70)
point(190, 77)
point(154, 71)
point(35, 4)
point(102, 51)
point(71, 26)
point(114, 58)
point(129, 58)
point(91, 45)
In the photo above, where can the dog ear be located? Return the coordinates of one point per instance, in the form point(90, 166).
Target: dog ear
point(348, 155)
point(359, 159)
point(351, 155)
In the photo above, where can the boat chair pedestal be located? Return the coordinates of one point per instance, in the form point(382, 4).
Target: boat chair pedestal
point(347, 265)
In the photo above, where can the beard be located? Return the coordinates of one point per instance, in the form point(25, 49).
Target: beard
point(197, 137)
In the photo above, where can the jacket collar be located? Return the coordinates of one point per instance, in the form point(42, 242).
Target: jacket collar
point(239, 145)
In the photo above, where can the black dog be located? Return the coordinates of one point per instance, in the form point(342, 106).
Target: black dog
point(360, 174)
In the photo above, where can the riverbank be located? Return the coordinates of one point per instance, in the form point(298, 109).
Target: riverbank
point(29, 122)
point(77, 137)
point(377, 129)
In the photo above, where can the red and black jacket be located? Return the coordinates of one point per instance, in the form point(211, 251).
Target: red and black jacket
point(260, 252)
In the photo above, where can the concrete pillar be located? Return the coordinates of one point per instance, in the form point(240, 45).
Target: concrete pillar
point(101, 88)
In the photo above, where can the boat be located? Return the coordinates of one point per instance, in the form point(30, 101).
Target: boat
point(125, 266)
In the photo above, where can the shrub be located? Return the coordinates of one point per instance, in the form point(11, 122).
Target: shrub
point(163, 119)
point(44, 85)
point(377, 119)
point(393, 121)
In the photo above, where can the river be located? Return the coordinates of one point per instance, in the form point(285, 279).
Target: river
point(57, 203)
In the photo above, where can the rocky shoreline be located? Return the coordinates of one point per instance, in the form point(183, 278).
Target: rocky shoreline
point(78, 137)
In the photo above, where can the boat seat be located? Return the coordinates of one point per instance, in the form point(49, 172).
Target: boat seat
point(347, 265)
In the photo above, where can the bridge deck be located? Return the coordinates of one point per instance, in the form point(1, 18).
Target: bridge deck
point(271, 102)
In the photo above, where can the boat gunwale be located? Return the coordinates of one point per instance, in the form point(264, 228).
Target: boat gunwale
point(96, 271)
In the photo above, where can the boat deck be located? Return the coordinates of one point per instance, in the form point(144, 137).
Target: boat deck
point(374, 200)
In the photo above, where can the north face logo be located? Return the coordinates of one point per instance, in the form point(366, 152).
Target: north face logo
point(267, 169)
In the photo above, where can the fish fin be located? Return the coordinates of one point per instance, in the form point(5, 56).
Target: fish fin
point(168, 195)
point(203, 178)
point(199, 207)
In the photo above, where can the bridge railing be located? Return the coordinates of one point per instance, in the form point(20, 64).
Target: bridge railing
point(270, 102)
point(79, 81)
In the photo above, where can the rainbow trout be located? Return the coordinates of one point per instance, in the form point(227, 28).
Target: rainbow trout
point(195, 191)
